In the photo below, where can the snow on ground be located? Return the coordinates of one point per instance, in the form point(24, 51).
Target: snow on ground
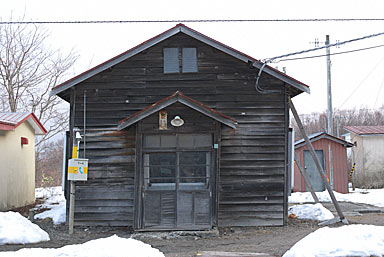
point(366, 196)
point(351, 240)
point(311, 212)
point(113, 246)
point(54, 201)
point(15, 229)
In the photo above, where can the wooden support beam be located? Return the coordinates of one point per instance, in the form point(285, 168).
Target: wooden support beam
point(317, 162)
point(306, 179)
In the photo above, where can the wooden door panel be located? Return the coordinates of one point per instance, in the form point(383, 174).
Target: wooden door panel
point(202, 208)
point(168, 209)
point(185, 207)
point(152, 209)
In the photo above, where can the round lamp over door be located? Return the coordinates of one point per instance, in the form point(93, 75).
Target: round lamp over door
point(177, 121)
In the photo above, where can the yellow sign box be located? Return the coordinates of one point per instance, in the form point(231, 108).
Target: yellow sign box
point(78, 169)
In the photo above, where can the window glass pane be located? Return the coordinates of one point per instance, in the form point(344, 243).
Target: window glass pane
point(171, 60)
point(203, 140)
point(162, 174)
point(163, 159)
point(189, 60)
point(192, 174)
point(193, 158)
point(151, 141)
point(185, 141)
point(168, 141)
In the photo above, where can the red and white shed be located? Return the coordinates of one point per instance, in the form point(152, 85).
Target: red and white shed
point(332, 153)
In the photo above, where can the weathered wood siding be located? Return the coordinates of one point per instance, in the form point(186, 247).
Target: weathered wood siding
point(107, 198)
point(252, 157)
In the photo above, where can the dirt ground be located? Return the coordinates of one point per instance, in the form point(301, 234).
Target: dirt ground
point(271, 240)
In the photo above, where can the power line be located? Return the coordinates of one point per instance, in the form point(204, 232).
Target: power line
point(361, 83)
point(269, 60)
point(322, 55)
point(195, 21)
point(273, 59)
point(378, 94)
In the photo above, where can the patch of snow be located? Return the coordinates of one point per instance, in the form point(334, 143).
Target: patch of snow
point(113, 246)
point(57, 214)
point(365, 196)
point(54, 201)
point(15, 229)
point(352, 240)
point(311, 212)
point(50, 195)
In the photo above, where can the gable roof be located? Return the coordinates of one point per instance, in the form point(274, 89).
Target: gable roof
point(365, 130)
point(11, 120)
point(181, 98)
point(320, 135)
point(179, 28)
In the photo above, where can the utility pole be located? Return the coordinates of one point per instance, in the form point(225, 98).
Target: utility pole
point(329, 91)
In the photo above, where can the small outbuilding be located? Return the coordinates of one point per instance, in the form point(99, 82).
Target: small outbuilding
point(179, 136)
point(17, 158)
point(332, 154)
point(368, 154)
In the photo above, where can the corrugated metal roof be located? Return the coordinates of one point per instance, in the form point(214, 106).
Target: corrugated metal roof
point(11, 120)
point(365, 130)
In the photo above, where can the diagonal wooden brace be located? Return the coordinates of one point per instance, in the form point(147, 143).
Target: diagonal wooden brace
point(317, 162)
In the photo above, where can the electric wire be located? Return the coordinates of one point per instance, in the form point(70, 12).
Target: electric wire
point(322, 55)
point(322, 47)
point(378, 94)
point(270, 60)
point(195, 21)
point(361, 83)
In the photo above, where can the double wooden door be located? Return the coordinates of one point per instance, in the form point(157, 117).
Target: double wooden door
point(177, 181)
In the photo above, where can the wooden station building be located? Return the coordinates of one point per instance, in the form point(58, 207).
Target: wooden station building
point(178, 136)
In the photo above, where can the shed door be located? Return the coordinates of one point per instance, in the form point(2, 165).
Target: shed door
point(177, 171)
point(312, 171)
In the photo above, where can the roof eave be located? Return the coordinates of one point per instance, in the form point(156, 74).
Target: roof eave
point(326, 136)
point(177, 97)
point(6, 127)
point(283, 77)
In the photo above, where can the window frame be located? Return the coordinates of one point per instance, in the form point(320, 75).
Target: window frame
point(185, 64)
point(201, 183)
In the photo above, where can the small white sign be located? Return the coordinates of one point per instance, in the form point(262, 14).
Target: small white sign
point(78, 169)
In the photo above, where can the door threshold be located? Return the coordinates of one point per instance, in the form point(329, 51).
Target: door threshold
point(175, 229)
point(167, 234)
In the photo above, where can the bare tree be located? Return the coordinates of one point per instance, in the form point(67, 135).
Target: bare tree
point(28, 71)
point(49, 164)
point(317, 122)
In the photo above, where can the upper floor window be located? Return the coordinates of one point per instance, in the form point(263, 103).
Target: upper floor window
point(180, 59)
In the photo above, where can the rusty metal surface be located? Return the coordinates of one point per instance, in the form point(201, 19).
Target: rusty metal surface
point(365, 130)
